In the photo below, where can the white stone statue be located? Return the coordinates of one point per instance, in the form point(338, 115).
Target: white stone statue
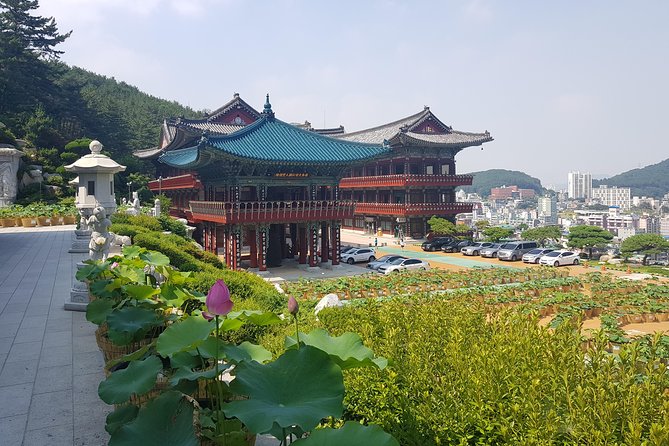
point(134, 208)
point(101, 239)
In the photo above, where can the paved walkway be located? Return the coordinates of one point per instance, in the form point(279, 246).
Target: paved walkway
point(50, 365)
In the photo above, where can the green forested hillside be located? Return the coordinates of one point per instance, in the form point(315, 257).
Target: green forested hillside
point(50, 104)
point(487, 179)
point(649, 181)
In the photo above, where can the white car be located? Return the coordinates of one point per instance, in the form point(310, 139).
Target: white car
point(358, 255)
point(561, 257)
point(536, 254)
point(475, 248)
point(398, 265)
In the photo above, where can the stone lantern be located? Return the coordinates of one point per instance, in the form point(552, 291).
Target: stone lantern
point(9, 164)
point(96, 180)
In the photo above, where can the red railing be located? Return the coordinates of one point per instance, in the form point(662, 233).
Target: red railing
point(188, 181)
point(405, 209)
point(405, 180)
point(270, 211)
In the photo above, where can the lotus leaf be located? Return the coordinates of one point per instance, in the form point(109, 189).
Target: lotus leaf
point(98, 310)
point(350, 434)
point(122, 415)
point(138, 378)
point(155, 258)
point(346, 350)
point(245, 351)
point(130, 324)
point(165, 421)
point(183, 336)
point(141, 292)
point(300, 388)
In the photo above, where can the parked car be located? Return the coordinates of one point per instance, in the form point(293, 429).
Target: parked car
point(491, 251)
point(376, 264)
point(561, 257)
point(344, 249)
point(403, 264)
point(436, 243)
point(358, 255)
point(475, 248)
point(534, 255)
point(456, 245)
point(515, 250)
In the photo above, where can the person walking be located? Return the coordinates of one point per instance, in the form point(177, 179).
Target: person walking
point(402, 244)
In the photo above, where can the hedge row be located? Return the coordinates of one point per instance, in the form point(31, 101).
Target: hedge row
point(185, 255)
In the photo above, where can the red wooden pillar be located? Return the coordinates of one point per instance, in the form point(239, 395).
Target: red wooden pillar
point(335, 234)
point(302, 240)
point(253, 245)
point(207, 237)
point(313, 245)
point(236, 248)
point(226, 246)
point(214, 239)
point(262, 248)
point(325, 242)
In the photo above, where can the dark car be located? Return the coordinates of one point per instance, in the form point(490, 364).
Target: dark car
point(456, 245)
point(436, 243)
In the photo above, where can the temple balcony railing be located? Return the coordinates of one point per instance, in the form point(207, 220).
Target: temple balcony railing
point(270, 211)
point(188, 181)
point(412, 209)
point(405, 180)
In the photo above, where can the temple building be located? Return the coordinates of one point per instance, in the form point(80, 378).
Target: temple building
point(256, 185)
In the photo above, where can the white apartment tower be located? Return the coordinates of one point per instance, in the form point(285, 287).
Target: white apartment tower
point(579, 185)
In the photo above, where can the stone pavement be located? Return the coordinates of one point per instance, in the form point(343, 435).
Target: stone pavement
point(50, 365)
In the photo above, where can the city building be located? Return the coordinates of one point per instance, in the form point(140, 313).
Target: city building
point(579, 185)
point(613, 196)
point(547, 210)
point(664, 227)
point(252, 183)
point(511, 193)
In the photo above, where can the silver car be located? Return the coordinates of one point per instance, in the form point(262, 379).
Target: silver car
point(376, 264)
point(475, 248)
point(491, 251)
point(534, 255)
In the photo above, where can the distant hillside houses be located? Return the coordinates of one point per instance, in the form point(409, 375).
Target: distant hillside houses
point(511, 193)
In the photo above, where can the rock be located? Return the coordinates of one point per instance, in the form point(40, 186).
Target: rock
point(328, 301)
point(604, 258)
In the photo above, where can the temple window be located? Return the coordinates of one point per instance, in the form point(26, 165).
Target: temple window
point(429, 170)
point(90, 189)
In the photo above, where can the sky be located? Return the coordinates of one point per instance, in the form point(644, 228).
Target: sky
point(561, 86)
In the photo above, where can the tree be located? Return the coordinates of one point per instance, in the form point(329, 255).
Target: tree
point(543, 234)
point(522, 227)
point(441, 226)
point(645, 244)
point(496, 233)
point(584, 236)
point(27, 42)
point(463, 230)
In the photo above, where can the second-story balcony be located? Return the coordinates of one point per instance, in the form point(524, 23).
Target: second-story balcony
point(405, 180)
point(188, 181)
point(412, 209)
point(270, 211)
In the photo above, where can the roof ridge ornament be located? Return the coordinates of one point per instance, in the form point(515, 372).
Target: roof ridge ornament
point(267, 109)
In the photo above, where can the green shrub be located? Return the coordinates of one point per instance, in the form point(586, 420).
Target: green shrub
point(145, 221)
point(463, 376)
point(174, 226)
point(121, 218)
point(242, 285)
point(125, 229)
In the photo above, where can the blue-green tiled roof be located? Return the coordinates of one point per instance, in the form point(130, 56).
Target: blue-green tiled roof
point(272, 140)
point(181, 157)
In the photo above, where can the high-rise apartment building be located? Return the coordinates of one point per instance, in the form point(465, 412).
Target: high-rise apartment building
point(579, 185)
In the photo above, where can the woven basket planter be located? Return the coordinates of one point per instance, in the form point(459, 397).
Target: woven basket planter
point(111, 351)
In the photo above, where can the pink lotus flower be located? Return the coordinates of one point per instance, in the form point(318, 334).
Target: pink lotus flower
point(208, 316)
point(293, 307)
point(218, 299)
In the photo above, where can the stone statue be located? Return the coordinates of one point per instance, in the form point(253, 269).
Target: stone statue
point(134, 208)
point(101, 239)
